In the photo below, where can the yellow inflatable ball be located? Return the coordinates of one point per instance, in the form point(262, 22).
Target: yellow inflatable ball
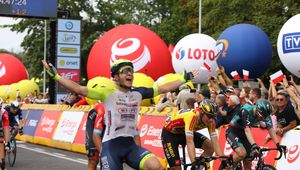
point(4, 91)
point(28, 86)
point(97, 82)
point(12, 92)
point(142, 80)
point(169, 78)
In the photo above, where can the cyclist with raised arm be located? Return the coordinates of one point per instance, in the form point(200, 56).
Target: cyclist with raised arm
point(121, 141)
point(14, 110)
point(181, 129)
point(94, 134)
point(239, 135)
point(4, 134)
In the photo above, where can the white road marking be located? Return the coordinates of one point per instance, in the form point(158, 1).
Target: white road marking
point(51, 154)
point(58, 154)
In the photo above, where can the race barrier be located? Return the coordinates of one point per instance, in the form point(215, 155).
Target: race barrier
point(63, 127)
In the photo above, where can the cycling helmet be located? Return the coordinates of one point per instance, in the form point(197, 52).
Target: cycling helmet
point(264, 107)
point(14, 105)
point(115, 67)
point(209, 108)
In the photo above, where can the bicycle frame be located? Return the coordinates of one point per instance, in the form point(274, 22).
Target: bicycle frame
point(260, 164)
point(201, 161)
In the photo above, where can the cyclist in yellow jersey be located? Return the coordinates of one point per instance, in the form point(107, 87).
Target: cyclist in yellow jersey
point(180, 129)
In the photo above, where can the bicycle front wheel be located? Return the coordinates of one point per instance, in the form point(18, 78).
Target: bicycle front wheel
point(13, 153)
point(268, 167)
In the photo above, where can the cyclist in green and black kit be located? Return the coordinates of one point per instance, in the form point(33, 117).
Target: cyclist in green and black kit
point(239, 135)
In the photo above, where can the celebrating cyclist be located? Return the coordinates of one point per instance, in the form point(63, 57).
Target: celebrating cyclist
point(239, 135)
point(93, 135)
point(180, 129)
point(121, 142)
point(4, 134)
point(14, 110)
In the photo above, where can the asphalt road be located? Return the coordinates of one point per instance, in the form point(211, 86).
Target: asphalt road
point(37, 157)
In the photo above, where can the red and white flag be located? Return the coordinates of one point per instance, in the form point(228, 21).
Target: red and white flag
point(277, 77)
point(206, 66)
point(235, 75)
point(245, 74)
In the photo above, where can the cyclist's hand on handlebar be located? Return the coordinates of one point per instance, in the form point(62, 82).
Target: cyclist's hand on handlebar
point(7, 146)
point(21, 131)
point(255, 149)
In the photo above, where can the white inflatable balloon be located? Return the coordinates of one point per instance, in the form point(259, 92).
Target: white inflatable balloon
point(191, 52)
point(288, 45)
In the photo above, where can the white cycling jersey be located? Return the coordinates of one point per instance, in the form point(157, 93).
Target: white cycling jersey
point(121, 110)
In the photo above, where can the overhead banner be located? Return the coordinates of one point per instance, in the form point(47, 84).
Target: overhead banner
point(68, 126)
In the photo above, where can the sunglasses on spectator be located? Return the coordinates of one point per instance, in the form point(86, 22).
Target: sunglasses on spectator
point(280, 99)
point(126, 70)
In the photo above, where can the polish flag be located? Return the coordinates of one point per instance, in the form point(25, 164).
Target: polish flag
point(245, 74)
point(206, 66)
point(277, 77)
point(235, 75)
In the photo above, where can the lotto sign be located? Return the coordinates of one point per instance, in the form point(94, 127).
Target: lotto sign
point(195, 52)
point(288, 45)
point(68, 126)
point(291, 140)
point(73, 75)
point(47, 124)
point(132, 42)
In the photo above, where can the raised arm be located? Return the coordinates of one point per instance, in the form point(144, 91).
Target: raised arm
point(66, 83)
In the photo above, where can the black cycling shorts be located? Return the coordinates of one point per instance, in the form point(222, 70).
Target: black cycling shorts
point(236, 137)
point(171, 142)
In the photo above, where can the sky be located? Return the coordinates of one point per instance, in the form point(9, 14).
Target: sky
point(9, 40)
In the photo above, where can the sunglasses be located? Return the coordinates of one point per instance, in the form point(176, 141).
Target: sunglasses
point(126, 70)
point(280, 99)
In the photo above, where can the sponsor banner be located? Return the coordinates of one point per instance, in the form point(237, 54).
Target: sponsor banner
point(47, 124)
point(68, 126)
point(68, 63)
point(291, 140)
point(68, 50)
point(150, 128)
point(259, 137)
point(80, 136)
point(32, 121)
point(73, 75)
point(68, 38)
point(69, 25)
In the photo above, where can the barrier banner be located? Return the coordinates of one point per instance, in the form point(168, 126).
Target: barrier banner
point(291, 140)
point(32, 121)
point(47, 124)
point(68, 126)
point(80, 136)
point(259, 137)
point(150, 128)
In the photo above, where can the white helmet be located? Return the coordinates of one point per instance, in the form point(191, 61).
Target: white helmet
point(14, 104)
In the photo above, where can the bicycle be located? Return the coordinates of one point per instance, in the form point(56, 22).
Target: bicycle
point(261, 164)
point(12, 154)
point(201, 161)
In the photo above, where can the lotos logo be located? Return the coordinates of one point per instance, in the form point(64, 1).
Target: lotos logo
point(221, 48)
point(131, 49)
point(291, 42)
point(227, 149)
point(2, 69)
point(144, 130)
point(293, 154)
point(180, 53)
point(195, 54)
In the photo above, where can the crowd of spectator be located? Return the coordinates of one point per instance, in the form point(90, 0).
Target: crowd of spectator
point(284, 96)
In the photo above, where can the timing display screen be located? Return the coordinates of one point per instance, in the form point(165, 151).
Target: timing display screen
point(29, 8)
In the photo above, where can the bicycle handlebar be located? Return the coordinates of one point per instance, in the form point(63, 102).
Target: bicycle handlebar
point(200, 160)
point(281, 149)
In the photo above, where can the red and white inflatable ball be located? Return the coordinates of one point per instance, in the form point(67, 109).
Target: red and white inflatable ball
point(148, 52)
point(12, 70)
point(195, 52)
